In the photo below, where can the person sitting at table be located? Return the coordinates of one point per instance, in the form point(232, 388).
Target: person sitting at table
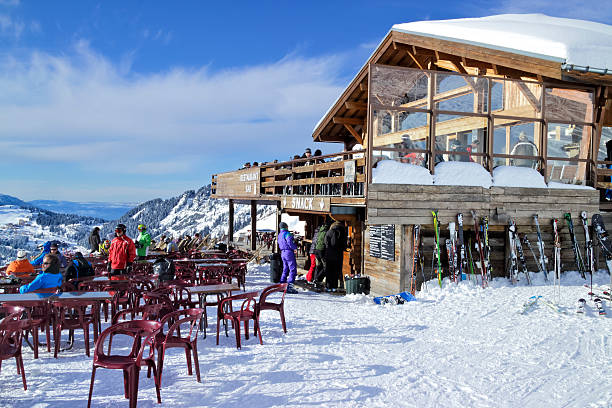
point(50, 277)
point(195, 241)
point(79, 268)
point(171, 245)
point(50, 247)
point(104, 247)
point(161, 246)
point(21, 266)
point(121, 254)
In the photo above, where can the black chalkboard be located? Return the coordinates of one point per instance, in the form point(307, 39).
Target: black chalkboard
point(382, 241)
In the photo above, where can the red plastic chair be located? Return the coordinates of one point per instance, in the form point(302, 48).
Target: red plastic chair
point(149, 312)
point(74, 314)
point(11, 335)
point(173, 338)
point(264, 304)
point(143, 333)
point(247, 311)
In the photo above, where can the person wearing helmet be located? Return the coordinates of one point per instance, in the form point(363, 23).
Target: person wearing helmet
point(104, 247)
point(287, 246)
point(524, 147)
point(121, 253)
point(142, 242)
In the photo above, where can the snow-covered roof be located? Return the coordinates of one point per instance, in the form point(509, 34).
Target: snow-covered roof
point(573, 42)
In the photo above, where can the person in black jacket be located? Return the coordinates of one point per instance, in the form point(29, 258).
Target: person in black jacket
point(79, 268)
point(335, 244)
point(94, 239)
point(164, 269)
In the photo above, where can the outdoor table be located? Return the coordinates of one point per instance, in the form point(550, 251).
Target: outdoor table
point(196, 260)
point(203, 290)
point(32, 299)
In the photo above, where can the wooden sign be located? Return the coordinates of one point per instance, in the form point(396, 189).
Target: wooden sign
point(307, 203)
point(349, 171)
point(382, 241)
point(239, 183)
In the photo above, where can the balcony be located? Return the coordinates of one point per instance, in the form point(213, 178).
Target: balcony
point(340, 176)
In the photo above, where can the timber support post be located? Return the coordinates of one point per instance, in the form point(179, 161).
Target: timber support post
point(253, 225)
point(230, 230)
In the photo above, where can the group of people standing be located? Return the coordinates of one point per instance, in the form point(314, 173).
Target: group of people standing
point(326, 255)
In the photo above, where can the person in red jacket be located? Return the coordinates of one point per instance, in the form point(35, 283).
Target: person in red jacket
point(121, 253)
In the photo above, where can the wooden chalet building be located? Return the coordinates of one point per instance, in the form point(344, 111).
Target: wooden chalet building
point(431, 93)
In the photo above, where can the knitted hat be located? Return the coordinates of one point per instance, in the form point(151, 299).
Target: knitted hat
point(283, 225)
point(21, 254)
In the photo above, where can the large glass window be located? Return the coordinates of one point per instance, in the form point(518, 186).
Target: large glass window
point(460, 138)
point(399, 87)
point(566, 171)
point(516, 143)
point(460, 93)
point(520, 98)
point(569, 140)
point(569, 105)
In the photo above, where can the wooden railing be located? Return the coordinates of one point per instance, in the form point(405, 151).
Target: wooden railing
point(340, 174)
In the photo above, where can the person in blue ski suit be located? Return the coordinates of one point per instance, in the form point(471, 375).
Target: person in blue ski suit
point(50, 277)
point(50, 247)
point(287, 246)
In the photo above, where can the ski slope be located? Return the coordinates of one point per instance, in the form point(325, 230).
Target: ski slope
point(459, 346)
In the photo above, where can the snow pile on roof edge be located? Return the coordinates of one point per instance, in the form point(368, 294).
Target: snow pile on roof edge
point(512, 176)
point(394, 172)
point(454, 173)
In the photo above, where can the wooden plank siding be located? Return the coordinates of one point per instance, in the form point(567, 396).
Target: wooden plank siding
point(406, 205)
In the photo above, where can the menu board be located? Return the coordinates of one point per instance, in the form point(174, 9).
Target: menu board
point(382, 241)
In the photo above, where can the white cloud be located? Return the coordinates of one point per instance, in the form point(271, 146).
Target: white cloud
point(10, 27)
point(85, 109)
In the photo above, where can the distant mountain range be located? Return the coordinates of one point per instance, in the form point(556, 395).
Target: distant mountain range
point(106, 211)
point(26, 226)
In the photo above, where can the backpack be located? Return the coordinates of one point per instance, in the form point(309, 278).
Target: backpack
point(164, 269)
point(321, 238)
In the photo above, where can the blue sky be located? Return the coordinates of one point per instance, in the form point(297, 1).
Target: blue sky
point(133, 100)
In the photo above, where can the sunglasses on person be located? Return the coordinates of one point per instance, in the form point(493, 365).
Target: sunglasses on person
point(118, 230)
point(53, 249)
point(46, 263)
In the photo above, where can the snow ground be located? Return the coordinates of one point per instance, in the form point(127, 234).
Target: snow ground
point(459, 346)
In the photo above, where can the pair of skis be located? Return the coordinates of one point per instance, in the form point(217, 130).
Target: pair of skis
point(417, 258)
point(455, 250)
point(517, 256)
point(483, 247)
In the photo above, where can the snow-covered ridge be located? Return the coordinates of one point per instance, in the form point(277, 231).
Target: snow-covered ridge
point(570, 41)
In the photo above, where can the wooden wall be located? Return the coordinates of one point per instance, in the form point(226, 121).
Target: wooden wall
point(384, 275)
point(406, 205)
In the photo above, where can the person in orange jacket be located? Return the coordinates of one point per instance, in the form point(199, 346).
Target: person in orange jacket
point(121, 253)
point(21, 266)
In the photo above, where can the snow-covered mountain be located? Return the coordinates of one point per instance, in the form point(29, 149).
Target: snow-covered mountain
point(191, 212)
point(23, 226)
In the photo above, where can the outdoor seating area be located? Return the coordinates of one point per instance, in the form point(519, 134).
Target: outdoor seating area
point(133, 321)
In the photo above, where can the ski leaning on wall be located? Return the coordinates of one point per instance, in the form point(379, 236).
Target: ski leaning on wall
point(577, 254)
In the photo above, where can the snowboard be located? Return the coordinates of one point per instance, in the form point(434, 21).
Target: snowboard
point(395, 299)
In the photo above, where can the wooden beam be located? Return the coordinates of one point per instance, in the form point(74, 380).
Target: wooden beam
point(533, 101)
point(416, 61)
point(348, 121)
point(356, 105)
point(353, 132)
point(363, 87)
